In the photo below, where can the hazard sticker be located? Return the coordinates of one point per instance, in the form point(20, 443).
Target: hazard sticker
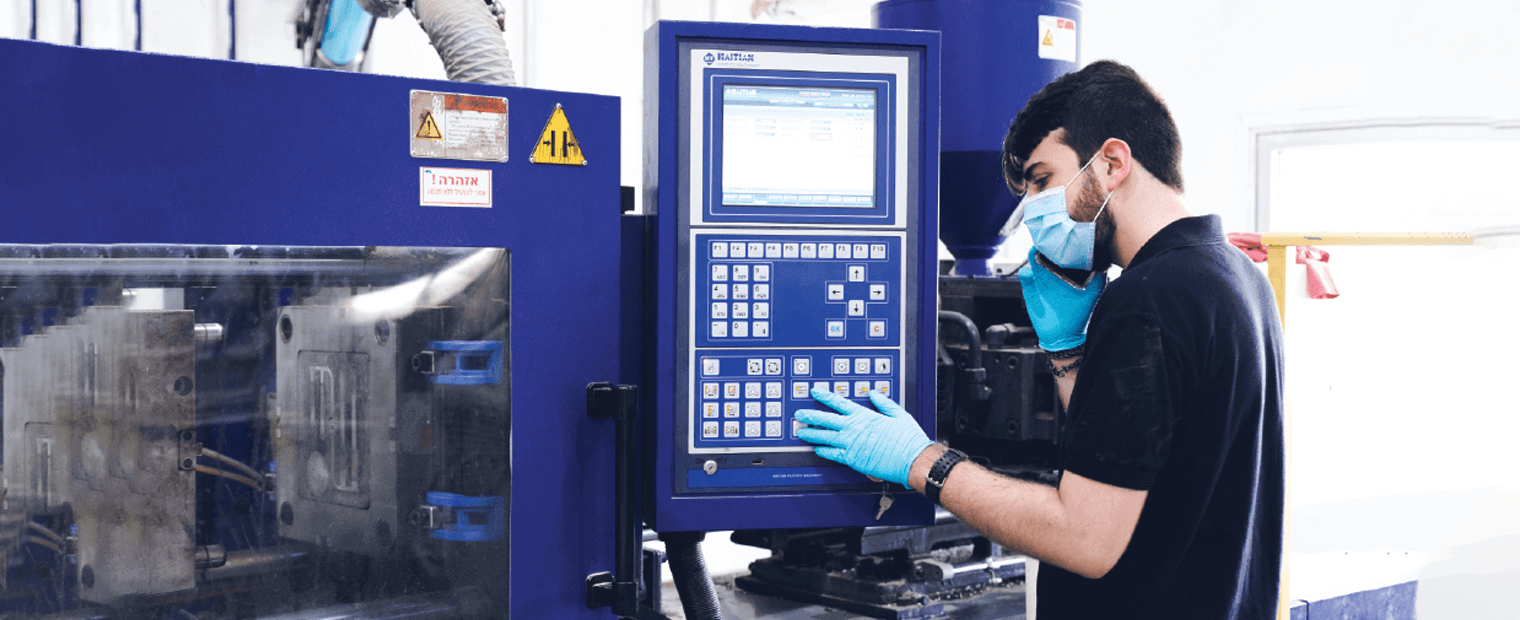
point(1058, 38)
point(557, 143)
point(458, 126)
point(456, 187)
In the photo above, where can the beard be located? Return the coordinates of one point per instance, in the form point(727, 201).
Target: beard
point(1089, 200)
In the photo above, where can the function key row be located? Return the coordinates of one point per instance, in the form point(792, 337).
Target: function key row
point(849, 251)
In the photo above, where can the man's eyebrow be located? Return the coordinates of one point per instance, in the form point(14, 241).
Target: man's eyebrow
point(1029, 171)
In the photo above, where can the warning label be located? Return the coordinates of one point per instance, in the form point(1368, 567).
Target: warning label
point(1058, 38)
point(456, 187)
point(557, 144)
point(458, 126)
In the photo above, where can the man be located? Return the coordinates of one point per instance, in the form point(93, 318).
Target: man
point(1171, 498)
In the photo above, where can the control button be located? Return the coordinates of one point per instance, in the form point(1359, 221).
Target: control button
point(834, 329)
point(709, 410)
point(883, 365)
point(878, 292)
point(709, 430)
point(862, 389)
point(720, 329)
point(709, 389)
point(756, 250)
point(709, 366)
point(825, 250)
point(741, 310)
point(731, 390)
point(736, 249)
point(836, 292)
point(857, 273)
point(773, 428)
point(841, 250)
point(751, 429)
point(755, 366)
point(720, 291)
point(842, 388)
point(751, 410)
point(878, 251)
point(885, 387)
point(862, 366)
point(730, 429)
point(773, 389)
point(762, 273)
point(773, 366)
point(772, 410)
point(720, 273)
point(788, 250)
point(753, 389)
point(741, 291)
point(741, 273)
point(799, 389)
point(841, 365)
point(762, 291)
point(761, 329)
point(762, 309)
point(809, 250)
point(773, 250)
point(876, 329)
point(720, 310)
point(802, 366)
point(741, 329)
point(857, 308)
point(861, 250)
point(797, 425)
point(730, 410)
point(720, 249)
point(822, 386)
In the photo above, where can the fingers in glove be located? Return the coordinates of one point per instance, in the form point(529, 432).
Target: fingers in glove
point(819, 436)
point(837, 402)
point(886, 405)
point(825, 419)
point(832, 454)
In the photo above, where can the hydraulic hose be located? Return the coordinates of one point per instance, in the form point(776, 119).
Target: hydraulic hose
point(698, 598)
point(468, 39)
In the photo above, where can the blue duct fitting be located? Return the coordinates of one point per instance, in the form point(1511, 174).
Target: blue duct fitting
point(346, 31)
point(992, 65)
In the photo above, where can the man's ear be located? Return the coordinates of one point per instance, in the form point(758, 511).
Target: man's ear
point(1117, 163)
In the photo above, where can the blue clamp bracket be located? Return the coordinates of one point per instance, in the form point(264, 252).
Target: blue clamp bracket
point(475, 362)
point(475, 518)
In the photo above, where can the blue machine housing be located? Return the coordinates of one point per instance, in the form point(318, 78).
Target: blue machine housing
point(741, 494)
point(130, 148)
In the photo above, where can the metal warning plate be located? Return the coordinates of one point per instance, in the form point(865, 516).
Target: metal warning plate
point(458, 126)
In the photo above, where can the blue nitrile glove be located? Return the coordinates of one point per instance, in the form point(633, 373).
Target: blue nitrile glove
point(881, 445)
point(1058, 310)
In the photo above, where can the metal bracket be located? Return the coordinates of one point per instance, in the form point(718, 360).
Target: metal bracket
point(605, 400)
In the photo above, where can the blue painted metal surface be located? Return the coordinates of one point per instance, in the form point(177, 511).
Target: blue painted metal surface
point(125, 147)
point(992, 67)
point(476, 362)
point(667, 508)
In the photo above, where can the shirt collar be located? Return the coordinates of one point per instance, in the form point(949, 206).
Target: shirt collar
point(1188, 231)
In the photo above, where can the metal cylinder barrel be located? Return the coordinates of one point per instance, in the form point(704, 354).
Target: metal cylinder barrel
point(996, 54)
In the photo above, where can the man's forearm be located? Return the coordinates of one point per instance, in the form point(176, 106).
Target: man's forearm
point(1064, 384)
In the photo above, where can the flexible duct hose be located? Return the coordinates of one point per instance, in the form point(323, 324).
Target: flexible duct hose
point(698, 598)
point(467, 38)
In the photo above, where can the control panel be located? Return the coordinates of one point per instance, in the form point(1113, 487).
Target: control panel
point(793, 246)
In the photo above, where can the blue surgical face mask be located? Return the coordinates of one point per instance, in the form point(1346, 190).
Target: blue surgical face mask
point(1064, 241)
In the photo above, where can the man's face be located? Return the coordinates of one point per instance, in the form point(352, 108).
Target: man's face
point(1053, 164)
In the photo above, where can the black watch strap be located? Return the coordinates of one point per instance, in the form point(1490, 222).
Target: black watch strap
point(941, 470)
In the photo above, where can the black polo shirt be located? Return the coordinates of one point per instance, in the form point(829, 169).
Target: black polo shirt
point(1180, 394)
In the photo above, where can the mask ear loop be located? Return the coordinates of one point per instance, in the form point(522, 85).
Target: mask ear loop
point(1105, 198)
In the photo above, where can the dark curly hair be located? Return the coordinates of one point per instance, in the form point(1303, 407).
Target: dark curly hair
point(1104, 100)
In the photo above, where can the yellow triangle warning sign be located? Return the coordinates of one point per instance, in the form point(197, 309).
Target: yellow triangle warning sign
point(557, 144)
point(1048, 40)
point(429, 128)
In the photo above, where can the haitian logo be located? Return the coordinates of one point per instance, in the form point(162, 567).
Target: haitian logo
point(710, 58)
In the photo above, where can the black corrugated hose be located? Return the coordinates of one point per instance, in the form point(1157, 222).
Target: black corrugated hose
point(698, 598)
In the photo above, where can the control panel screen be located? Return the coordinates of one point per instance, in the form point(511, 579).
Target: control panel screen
point(799, 146)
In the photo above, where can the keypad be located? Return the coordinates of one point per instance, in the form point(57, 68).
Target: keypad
point(739, 407)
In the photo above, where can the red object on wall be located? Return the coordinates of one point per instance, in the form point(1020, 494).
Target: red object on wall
point(1319, 283)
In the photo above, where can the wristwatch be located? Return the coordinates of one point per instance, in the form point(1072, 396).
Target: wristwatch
point(941, 470)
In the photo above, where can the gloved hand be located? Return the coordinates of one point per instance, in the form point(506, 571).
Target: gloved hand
point(1058, 310)
point(882, 445)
